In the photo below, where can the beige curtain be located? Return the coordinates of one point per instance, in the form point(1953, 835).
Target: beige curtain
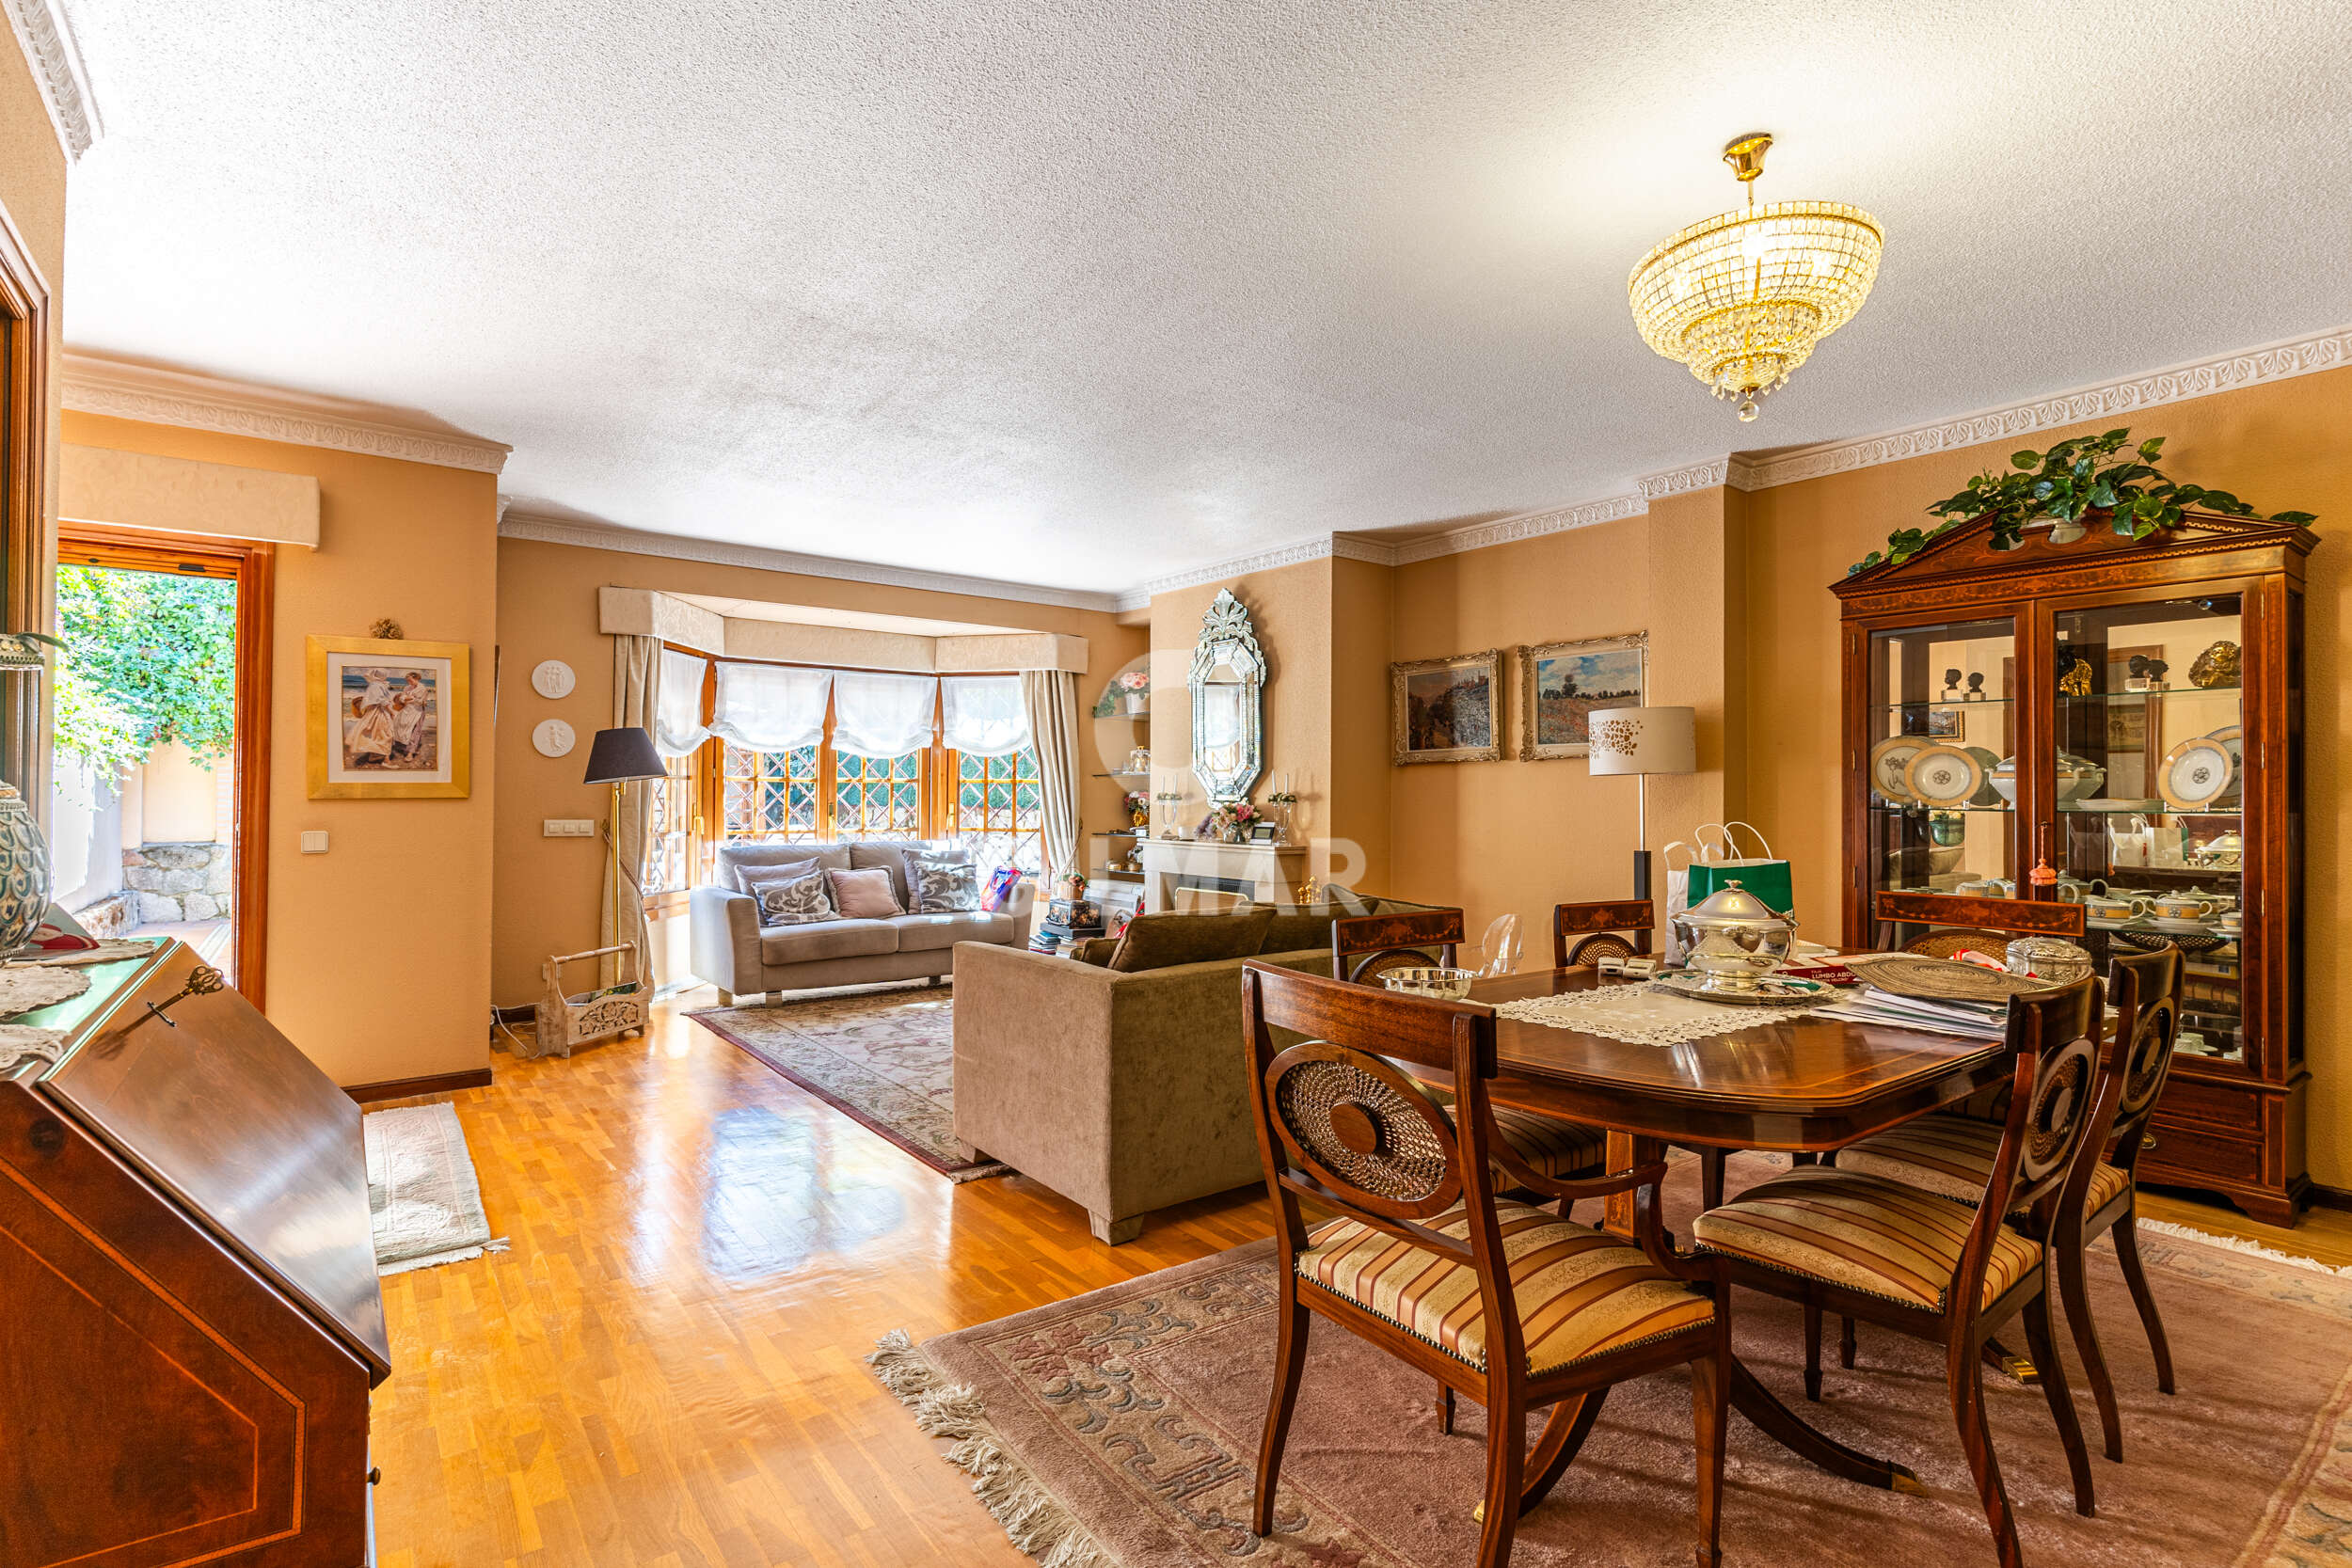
point(636, 701)
point(1051, 697)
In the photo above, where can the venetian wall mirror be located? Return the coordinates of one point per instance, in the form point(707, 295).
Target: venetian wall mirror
point(1227, 684)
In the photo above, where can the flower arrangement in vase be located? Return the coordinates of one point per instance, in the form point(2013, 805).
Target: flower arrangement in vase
point(1138, 809)
point(1229, 821)
point(1134, 691)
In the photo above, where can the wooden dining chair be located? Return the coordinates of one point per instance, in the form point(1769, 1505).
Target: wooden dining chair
point(1957, 921)
point(1506, 1302)
point(1831, 1238)
point(1587, 933)
point(1953, 1157)
point(1366, 947)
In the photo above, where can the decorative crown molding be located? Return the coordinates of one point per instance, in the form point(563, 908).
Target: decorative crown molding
point(1527, 525)
point(45, 35)
point(2278, 361)
point(1674, 482)
point(94, 385)
point(601, 536)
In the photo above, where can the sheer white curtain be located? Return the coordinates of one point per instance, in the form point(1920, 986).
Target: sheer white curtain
point(882, 715)
point(770, 708)
point(983, 716)
point(677, 726)
point(1051, 699)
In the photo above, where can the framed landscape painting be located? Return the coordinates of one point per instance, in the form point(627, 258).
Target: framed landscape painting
point(389, 720)
point(1565, 682)
point(1447, 709)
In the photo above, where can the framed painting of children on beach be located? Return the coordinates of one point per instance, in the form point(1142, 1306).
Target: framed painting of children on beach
point(389, 720)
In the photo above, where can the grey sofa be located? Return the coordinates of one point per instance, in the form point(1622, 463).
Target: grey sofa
point(730, 950)
point(1123, 1092)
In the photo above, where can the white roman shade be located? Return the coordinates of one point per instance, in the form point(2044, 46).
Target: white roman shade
point(883, 716)
point(772, 708)
point(983, 716)
point(677, 724)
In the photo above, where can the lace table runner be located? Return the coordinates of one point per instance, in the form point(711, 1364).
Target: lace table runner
point(19, 1042)
point(1640, 1015)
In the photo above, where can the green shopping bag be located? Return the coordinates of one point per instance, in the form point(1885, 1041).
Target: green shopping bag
point(1717, 865)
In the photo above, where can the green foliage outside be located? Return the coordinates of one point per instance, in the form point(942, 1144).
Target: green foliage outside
point(147, 658)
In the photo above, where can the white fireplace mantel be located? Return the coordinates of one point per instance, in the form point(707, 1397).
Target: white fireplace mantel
point(1267, 873)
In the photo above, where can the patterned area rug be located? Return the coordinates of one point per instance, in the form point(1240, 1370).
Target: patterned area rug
point(884, 1057)
point(1121, 1428)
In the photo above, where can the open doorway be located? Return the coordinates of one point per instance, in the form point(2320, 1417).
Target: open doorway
point(158, 811)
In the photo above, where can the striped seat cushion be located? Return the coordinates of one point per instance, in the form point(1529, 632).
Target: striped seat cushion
point(1579, 1292)
point(1865, 1232)
point(1952, 1157)
point(1550, 1147)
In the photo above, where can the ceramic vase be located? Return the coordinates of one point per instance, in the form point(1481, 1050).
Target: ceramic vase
point(24, 871)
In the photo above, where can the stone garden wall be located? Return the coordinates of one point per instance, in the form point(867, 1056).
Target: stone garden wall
point(179, 881)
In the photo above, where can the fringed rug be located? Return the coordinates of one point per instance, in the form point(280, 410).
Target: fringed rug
point(424, 1200)
point(885, 1059)
point(1121, 1428)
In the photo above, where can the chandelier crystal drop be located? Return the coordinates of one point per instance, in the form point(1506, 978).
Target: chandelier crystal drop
point(1742, 297)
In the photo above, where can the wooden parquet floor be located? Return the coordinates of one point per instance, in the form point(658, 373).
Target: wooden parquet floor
point(665, 1372)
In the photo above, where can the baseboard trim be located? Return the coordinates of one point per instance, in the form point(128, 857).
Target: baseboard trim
point(401, 1089)
point(2329, 1197)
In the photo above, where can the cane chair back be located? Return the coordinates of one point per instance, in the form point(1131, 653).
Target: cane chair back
point(1366, 947)
point(1338, 1121)
point(1587, 933)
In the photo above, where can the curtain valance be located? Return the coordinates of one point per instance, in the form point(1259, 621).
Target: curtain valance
point(770, 708)
point(883, 716)
point(983, 716)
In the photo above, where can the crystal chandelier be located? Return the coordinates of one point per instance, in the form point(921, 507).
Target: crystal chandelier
point(1742, 297)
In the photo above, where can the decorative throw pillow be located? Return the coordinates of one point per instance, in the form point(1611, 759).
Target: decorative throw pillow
point(910, 863)
point(865, 895)
point(1167, 939)
point(743, 876)
point(793, 901)
point(942, 886)
point(1001, 882)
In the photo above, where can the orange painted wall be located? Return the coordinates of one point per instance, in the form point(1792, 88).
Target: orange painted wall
point(379, 950)
point(32, 198)
point(548, 888)
point(2281, 446)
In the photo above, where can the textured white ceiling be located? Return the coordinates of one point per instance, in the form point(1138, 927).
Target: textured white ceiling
point(1084, 292)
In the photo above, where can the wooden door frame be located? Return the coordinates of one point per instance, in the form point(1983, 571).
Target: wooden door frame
point(24, 534)
point(252, 564)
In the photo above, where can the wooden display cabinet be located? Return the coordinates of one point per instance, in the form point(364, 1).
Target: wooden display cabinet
point(2108, 733)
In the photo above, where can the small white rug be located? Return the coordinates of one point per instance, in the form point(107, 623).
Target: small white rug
point(423, 1197)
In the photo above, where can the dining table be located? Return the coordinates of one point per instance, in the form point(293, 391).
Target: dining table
point(1804, 1084)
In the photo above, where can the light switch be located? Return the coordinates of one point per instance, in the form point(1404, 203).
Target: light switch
point(568, 827)
point(314, 841)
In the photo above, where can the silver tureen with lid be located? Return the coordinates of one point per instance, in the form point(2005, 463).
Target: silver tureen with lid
point(1734, 939)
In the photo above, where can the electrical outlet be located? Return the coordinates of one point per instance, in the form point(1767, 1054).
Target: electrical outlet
point(568, 827)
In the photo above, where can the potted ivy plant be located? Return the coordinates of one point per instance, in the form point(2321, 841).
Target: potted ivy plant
point(2088, 479)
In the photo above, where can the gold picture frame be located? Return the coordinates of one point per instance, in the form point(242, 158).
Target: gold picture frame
point(389, 720)
point(1561, 683)
point(1446, 710)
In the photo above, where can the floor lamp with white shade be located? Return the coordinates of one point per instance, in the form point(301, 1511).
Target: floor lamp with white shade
point(1642, 741)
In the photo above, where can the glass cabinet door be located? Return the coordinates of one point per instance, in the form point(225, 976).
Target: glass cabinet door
point(2150, 784)
point(1941, 767)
